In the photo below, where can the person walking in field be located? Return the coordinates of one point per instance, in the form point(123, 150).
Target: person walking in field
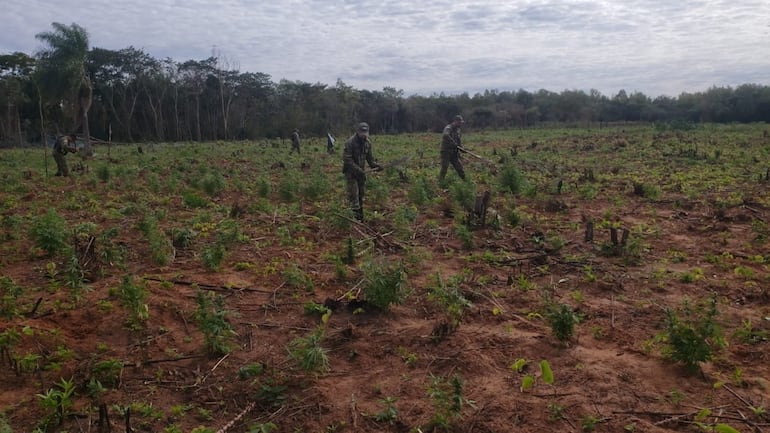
point(451, 146)
point(355, 156)
point(64, 144)
point(294, 141)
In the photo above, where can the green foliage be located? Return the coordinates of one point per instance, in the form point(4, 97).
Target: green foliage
point(385, 283)
point(510, 179)
point(263, 428)
point(133, 296)
point(57, 402)
point(308, 353)
point(107, 372)
point(749, 334)
point(9, 294)
point(449, 296)
point(563, 321)
point(212, 321)
point(212, 256)
point(250, 371)
point(350, 252)
point(288, 187)
point(465, 235)
point(264, 187)
point(448, 400)
point(463, 194)
point(297, 278)
point(692, 333)
point(193, 200)
point(546, 376)
point(421, 192)
point(103, 172)
point(182, 237)
point(315, 185)
point(390, 413)
point(49, 232)
point(213, 183)
point(161, 248)
point(4, 427)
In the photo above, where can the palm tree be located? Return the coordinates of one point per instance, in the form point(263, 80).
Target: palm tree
point(62, 74)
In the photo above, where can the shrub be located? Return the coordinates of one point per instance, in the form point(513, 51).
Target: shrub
point(692, 333)
point(193, 200)
point(308, 353)
point(213, 183)
point(562, 320)
point(510, 179)
point(49, 232)
point(212, 320)
point(385, 283)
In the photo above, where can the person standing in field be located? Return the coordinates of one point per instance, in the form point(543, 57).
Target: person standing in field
point(329, 143)
point(451, 146)
point(294, 141)
point(64, 144)
point(355, 156)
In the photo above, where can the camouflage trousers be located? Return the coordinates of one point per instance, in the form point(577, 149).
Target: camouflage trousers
point(451, 157)
point(355, 189)
point(61, 164)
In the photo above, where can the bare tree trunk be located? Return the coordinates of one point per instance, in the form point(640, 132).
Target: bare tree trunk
point(198, 118)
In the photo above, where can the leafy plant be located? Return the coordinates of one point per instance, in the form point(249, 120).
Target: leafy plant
point(297, 278)
point(212, 321)
point(262, 428)
point(449, 296)
point(212, 256)
point(9, 294)
point(748, 334)
point(448, 400)
point(133, 297)
point(546, 375)
point(308, 352)
point(57, 401)
point(107, 372)
point(563, 321)
point(390, 413)
point(692, 333)
point(49, 232)
point(385, 283)
point(510, 179)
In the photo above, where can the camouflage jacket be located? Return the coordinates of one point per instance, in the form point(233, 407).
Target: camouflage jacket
point(357, 153)
point(63, 145)
point(451, 139)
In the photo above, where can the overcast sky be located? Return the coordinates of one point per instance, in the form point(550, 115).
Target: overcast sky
point(658, 47)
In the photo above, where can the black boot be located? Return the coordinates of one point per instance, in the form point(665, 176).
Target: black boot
point(359, 214)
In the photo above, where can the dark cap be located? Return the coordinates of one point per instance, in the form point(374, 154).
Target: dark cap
point(459, 118)
point(363, 127)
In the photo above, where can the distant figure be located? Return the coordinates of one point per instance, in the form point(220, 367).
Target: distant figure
point(357, 153)
point(64, 144)
point(329, 143)
point(451, 146)
point(294, 141)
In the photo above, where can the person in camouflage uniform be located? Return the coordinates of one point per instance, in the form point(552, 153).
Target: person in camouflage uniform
point(294, 141)
point(64, 144)
point(355, 156)
point(451, 145)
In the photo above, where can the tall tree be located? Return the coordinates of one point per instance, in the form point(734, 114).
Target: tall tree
point(63, 78)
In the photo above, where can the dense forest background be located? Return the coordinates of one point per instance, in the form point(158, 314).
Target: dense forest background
point(129, 96)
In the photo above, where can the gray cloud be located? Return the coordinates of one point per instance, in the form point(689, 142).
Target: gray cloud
point(653, 46)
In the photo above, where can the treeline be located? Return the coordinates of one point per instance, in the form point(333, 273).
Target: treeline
point(129, 96)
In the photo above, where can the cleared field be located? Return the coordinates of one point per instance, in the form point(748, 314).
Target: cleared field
point(617, 281)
